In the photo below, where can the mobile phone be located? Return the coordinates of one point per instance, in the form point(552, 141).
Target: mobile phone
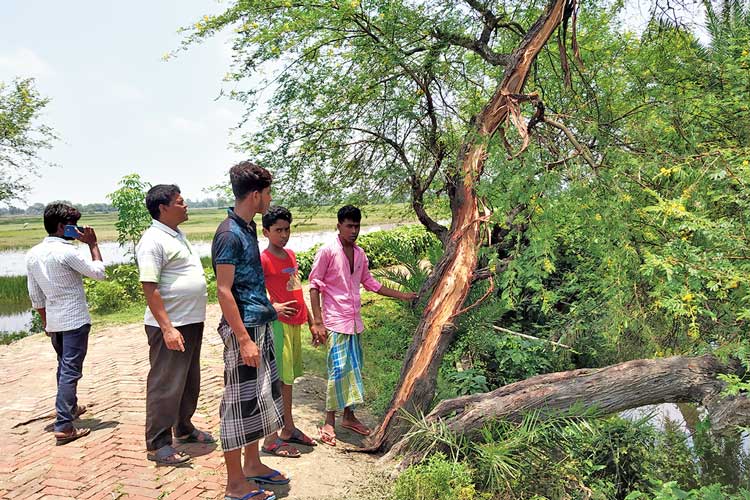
point(70, 231)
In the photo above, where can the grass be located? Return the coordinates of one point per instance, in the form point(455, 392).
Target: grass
point(13, 289)
point(20, 232)
point(389, 326)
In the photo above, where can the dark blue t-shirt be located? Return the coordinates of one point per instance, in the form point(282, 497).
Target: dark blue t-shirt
point(236, 243)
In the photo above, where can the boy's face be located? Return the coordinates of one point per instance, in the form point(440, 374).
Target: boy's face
point(278, 233)
point(348, 230)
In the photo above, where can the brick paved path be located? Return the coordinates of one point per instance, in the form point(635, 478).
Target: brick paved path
point(111, 462)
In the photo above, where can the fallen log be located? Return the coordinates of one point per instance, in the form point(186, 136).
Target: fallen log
point(607, 390)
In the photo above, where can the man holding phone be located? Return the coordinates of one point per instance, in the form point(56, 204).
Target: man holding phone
point(174, 284)
point(54, 275)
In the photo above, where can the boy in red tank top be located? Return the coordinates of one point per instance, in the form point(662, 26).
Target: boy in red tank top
point(284, 287)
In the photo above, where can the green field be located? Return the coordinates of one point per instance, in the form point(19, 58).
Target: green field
point(19, 232)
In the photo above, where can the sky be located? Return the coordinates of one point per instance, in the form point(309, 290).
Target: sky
point(117, 107)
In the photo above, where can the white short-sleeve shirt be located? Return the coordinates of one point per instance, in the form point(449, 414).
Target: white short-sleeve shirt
point(165, 257)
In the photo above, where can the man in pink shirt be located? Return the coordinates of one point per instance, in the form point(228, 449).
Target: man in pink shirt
point(339, 269)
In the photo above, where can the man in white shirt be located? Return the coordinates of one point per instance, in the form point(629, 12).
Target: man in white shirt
point(175, 288)
point(54, 270)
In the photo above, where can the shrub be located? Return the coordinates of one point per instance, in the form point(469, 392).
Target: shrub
point(126, 275)
point(105, 296)
point(670, 491)
point(436, 479)
point(305, 261)
point(383, 248)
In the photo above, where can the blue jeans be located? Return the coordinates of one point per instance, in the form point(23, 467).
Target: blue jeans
point(71, 347)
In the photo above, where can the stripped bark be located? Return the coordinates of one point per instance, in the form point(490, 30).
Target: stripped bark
point(607, 390)
point(452, 275)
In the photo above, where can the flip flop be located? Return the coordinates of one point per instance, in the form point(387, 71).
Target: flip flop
point(268, 478)
point(252, 494)
point(299, 437)
point(277, 448)
point(327, 437)
point(200, 437)
point(167, 455)
point(67, 437)
point(360, 429)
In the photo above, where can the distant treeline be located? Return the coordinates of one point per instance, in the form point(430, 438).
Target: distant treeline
point(88, 208)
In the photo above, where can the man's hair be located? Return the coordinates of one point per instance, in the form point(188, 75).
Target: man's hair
point(247, 177)
point(275, 214)
point(56, 213)
point(161, 194)
point(349, 212)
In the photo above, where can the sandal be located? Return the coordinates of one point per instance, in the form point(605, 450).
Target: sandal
point(281, 448)
point(80, 410)
point(252, 494)
point(358, 427)
point(200, 437)
point(72, 435)
point(327, 437)
point(166, 455)
point(299, 437)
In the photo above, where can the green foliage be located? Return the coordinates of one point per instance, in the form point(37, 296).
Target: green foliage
point(734, 384)
point(670, 491)
point(578, 455)
point(105, 296)
point(14, 289)
point(132, 216)
point(7, 338)
point(387, 248)
point(305, 261)
point(467, 382)
point(384, 248)
point(120, 289)
point(389, 326)
point(436, 479)
point(21, 138)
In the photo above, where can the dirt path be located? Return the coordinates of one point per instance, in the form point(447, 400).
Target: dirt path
point(111, 462)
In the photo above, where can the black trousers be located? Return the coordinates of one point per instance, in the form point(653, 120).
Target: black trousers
point(173, 386)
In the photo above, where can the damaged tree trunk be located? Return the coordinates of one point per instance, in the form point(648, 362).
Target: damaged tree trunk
point(605, 390)
point(453, 273)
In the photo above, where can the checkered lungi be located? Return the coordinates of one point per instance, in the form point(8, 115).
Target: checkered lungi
point(345, 388)
point(251, 407)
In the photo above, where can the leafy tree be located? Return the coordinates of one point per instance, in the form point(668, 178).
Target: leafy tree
point(132, 216)
point(21, 138)
point(622, 229)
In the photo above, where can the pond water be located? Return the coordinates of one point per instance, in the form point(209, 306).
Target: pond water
point(12, 262)
point(16, 321)
point(17, 317)
point(729, 453)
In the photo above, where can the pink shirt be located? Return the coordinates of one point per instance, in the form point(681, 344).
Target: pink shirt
point(339, 287)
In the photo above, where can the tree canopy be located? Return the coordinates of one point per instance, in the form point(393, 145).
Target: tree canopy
point(21, 136)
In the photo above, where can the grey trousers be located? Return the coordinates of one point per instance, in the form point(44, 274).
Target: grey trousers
point(173, 386)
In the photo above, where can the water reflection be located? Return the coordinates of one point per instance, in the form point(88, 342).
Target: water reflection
point(721, 459)
point(16, 322)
